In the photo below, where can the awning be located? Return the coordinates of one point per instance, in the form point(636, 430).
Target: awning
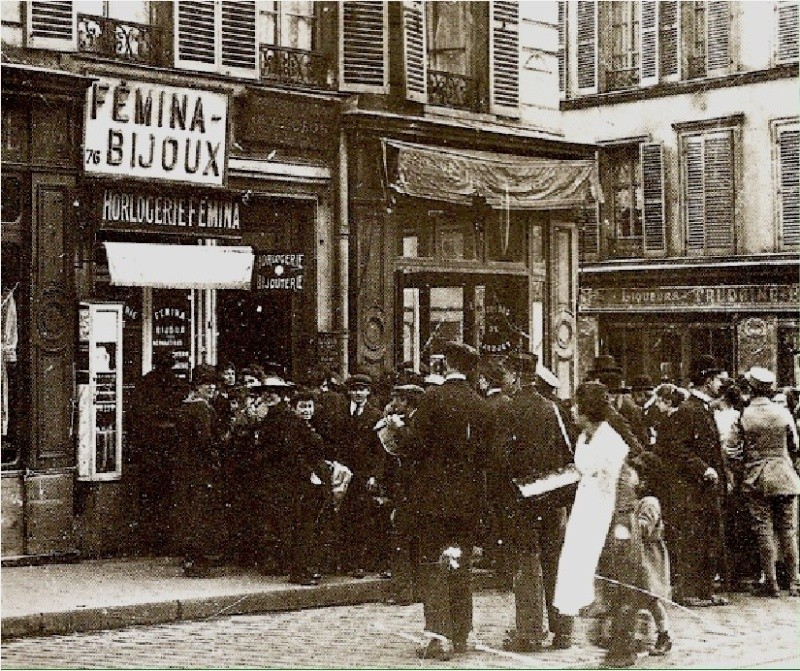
point(504, 180)
point(138, 264)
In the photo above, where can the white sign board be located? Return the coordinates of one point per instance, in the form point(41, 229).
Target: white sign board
point(156, 132)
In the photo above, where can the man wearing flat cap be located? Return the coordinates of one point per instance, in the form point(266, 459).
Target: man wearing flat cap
point(540, 445)
point(769, 481)
point(358, 447)
point(698, 480)
point(448, 459)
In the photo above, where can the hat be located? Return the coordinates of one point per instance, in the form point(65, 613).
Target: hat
point(274, 382)
point(614, 381)
point(605, 363)
point(204, 374)
point(761, 375)
point(434, 379)
point(407, 389)
point(702, 367)
point(358, 380)
point(525, 362)
point(642, 383)
point(493, 372)
point(460, 356)
point(547, 376)
point(591, 400)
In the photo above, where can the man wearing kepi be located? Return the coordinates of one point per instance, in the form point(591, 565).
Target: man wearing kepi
point(448, 457)
point(769, 480)
point(540, 446)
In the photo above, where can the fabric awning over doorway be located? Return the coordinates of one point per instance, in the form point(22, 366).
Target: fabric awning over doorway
point(504, 180)
point(139, 264)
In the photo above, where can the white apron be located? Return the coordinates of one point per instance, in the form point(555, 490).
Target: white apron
point(599, 461)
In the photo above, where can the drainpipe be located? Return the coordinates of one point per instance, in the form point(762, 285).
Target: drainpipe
point(341, 305)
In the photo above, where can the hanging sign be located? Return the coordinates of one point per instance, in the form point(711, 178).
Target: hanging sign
point(155, 132)
point(279, 271)
point(498, 334)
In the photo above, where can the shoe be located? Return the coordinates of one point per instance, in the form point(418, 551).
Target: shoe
point(460, 645)
point(561, 642)
point(386, 574)
point(305, 580)
point(359, 573)
point(663, 644)
point(316, 576)
point(436, 649)
point(196, 569)
point(619, 660)
point(794, 591)
point(771, 591)
point(516, 643)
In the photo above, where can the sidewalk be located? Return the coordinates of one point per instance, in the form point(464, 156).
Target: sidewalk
point(109, 594)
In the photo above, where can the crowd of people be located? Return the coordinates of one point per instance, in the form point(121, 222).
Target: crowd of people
point(620, 500)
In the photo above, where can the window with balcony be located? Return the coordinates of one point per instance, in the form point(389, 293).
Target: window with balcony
point(625, 54)
point(120, 30)
point(288, 37)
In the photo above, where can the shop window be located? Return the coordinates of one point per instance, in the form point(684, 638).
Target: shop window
point(120, 30)
point(505, 235)
point(14, 373)
point(708, 159)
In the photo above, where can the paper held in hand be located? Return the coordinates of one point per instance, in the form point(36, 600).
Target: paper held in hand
point(549, 482)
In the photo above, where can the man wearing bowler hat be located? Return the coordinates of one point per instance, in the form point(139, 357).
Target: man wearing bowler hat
point(445, 495)
point(698, 479)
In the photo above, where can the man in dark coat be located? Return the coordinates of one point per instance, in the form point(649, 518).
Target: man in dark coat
point(540, 445)
point(448, 460)
point(698, 473)
point(364, 539)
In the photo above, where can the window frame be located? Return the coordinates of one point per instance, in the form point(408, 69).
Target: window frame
point(277, 15)
point(778, 126)
point(629, 39)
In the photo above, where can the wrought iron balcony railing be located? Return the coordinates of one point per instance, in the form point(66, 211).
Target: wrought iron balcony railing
point(696, 66)
point(114, 38)
point(452, 90)
point(622, 78)
point(287, 65)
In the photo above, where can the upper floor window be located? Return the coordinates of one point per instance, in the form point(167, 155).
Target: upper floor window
point(288, 23)
point(708, 161)
point(115, 29)
point(786, 135)
point(787, 38)
point(624, 45)
point(626, 194)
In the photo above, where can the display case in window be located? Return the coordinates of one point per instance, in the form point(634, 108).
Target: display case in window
point(99, 391)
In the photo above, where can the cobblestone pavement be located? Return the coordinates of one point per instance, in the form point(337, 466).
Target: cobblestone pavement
point(749, 633)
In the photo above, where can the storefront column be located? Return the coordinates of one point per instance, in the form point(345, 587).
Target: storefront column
point(341, 303)
point(756, 340)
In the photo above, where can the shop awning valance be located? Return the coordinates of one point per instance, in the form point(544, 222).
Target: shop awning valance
point(504, 180)
point(139, 264)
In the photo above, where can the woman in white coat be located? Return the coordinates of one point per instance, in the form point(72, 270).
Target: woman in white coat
point(599, 455)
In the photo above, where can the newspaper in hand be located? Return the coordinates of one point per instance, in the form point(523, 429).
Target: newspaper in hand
point(548, 482)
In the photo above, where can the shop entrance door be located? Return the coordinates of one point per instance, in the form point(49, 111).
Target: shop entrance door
point(487, 312)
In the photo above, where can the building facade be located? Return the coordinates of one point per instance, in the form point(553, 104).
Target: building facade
point(694, 108)
point(342, 184)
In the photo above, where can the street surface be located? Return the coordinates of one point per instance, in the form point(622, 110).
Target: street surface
point(750, 633)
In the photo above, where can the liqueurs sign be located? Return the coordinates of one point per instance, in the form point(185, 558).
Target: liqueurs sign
point(154, 131)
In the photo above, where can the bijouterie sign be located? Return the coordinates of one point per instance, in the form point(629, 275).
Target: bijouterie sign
point(153, 131)
point(279, 271)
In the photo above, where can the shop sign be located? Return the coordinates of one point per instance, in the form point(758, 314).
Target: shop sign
point(279, 271)
point(206, 215)
point(498, 334)
point(763, 297)
point(156, 132)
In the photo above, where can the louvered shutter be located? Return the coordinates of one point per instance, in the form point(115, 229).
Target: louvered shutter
point(504, 54)
point(694, 194)
point(718, 38)
point(788, 37)
point(669, 40)
point(789, 185)
point(562, 48)
point(648, 43)
point(415, 50)
point(195, 35)
point(587, 46)
point(652, 166)
point(363, 52)
point(51, 25)
point(718, 174)
point(238, 50)
point(589, 232)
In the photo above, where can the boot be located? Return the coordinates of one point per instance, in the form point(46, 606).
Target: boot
point(663, 644)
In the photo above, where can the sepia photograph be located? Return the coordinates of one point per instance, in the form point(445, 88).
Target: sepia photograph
point(400, 334)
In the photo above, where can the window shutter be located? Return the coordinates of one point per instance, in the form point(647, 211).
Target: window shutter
point(652, 166)
point(52, 25)
point(239, 51)
point(504, 51)
point(363, 51)
point(589, 232)
point(669, 39)
point(195, 35)
point(718, 38)
point(695, 211)
point(587, 46)
point(416, 52)
point(718, 175)
point(648, 43)
point(788, 36)
point(789, 185)
point(562, 48)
